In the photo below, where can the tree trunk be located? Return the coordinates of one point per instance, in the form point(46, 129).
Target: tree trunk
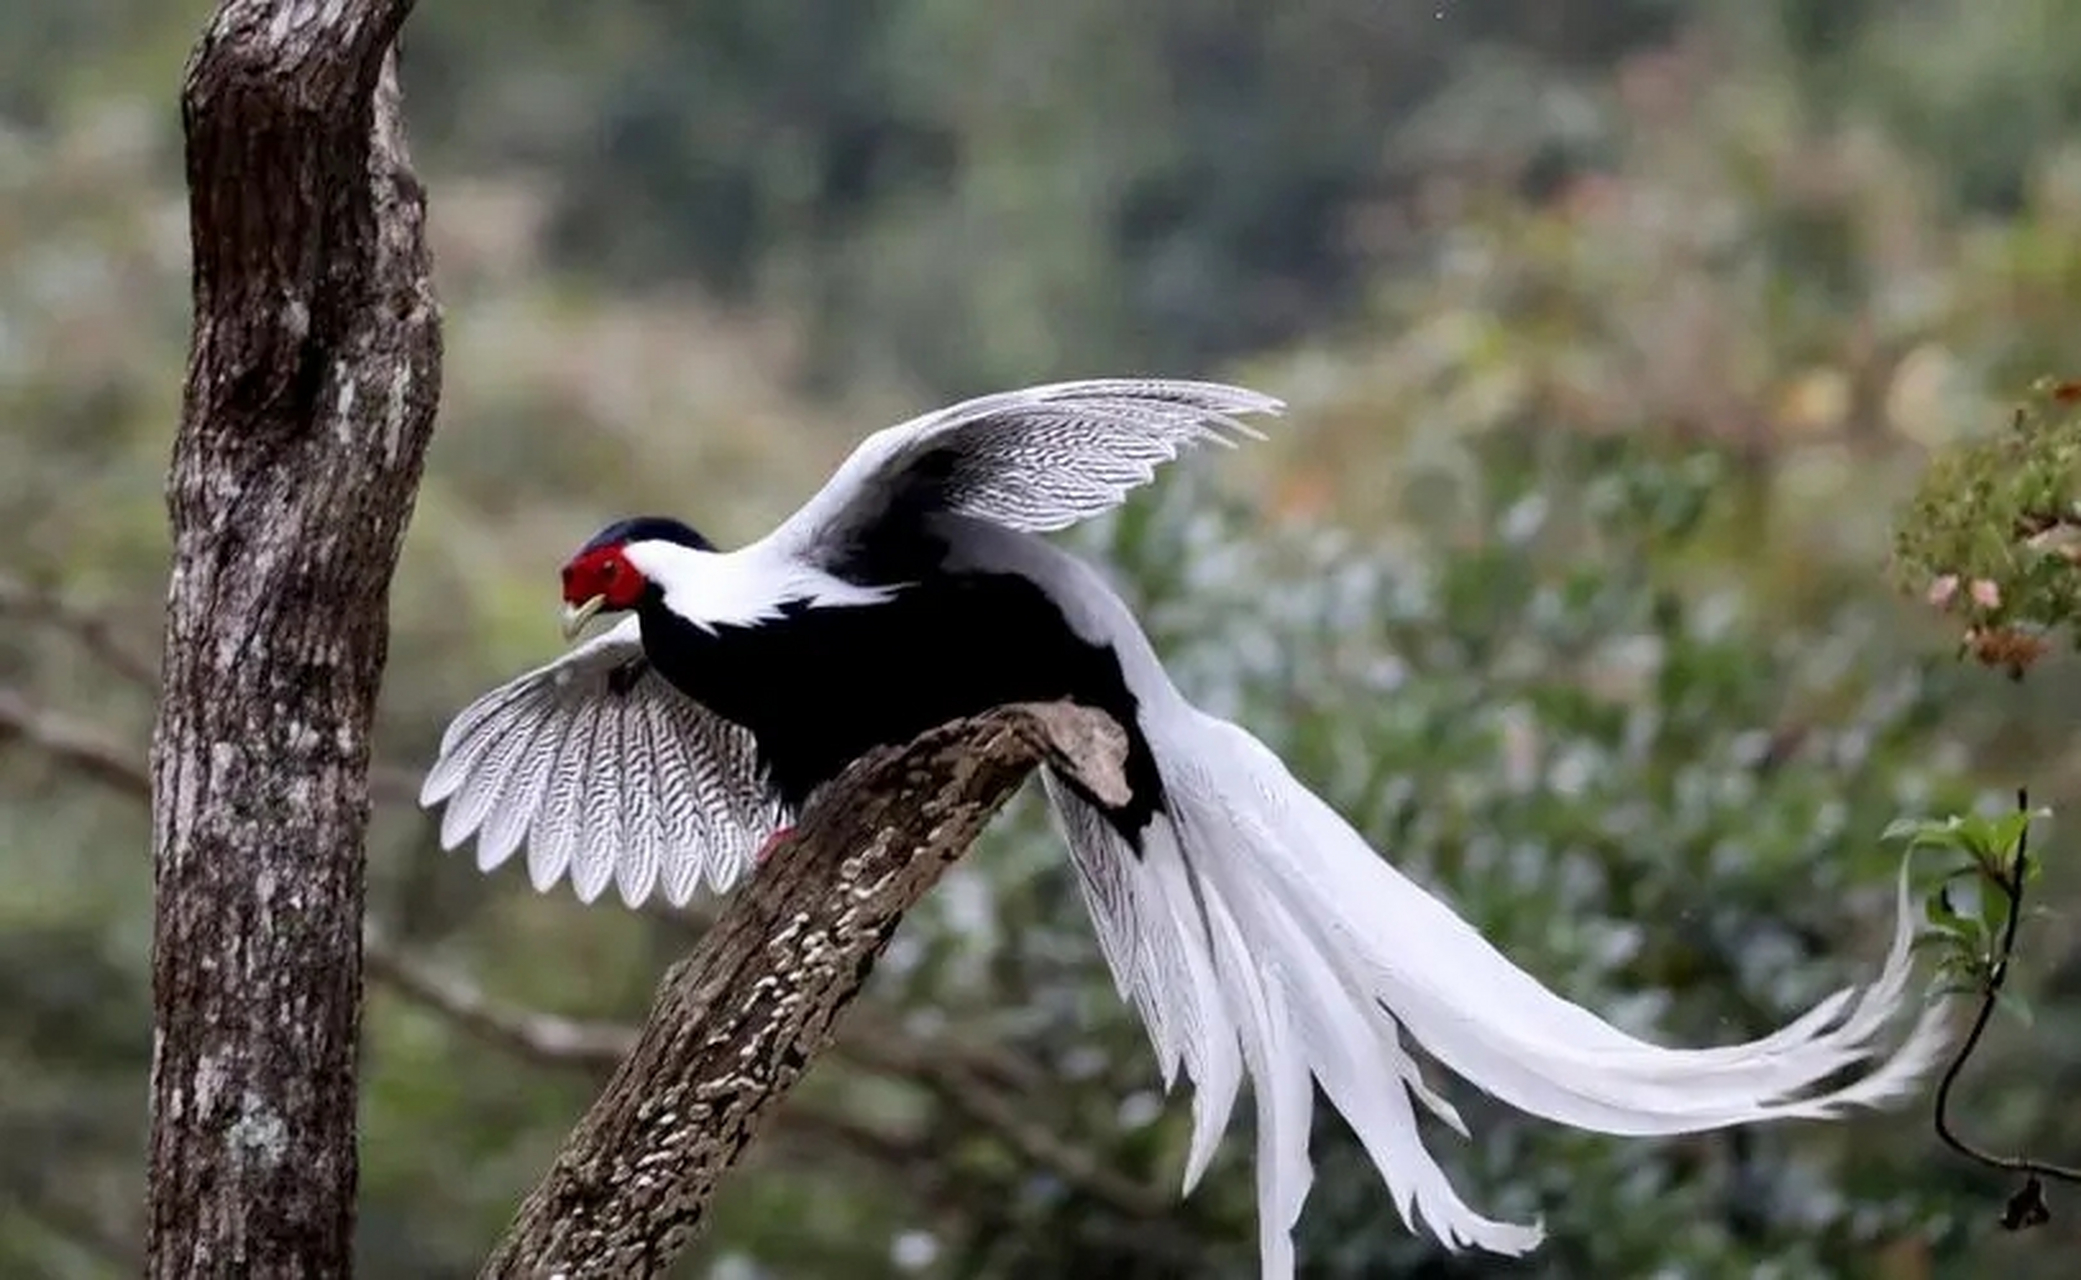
point(736, 1023)
point(312, 380)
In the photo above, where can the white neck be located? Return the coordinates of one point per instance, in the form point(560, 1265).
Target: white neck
point(741, 588)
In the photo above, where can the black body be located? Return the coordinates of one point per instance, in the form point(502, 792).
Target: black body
point(821, 686)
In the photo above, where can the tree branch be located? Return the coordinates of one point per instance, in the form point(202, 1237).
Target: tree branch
point(736, 1023)
point(91, 752)
point(991, 1109)
point(551, 1039)
point(313, 374)
point(96, 634)
point(546, 1038)
point(72, 743)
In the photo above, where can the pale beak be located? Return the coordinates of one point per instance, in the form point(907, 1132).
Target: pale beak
point(577, 615)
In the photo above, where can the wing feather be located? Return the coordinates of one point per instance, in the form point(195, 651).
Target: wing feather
point(506, 829)
point(636, 870)
point(554, 839)
point(685, 825)
point(606, 794)
point(480, 793)
point(1037, 459)
point(605, 773)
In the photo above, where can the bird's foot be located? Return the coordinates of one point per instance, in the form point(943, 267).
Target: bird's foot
point(774, 841)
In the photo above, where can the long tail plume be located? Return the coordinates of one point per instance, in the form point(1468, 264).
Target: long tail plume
point(1259, 935)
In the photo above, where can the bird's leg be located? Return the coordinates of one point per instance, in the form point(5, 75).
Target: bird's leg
point(773, 842)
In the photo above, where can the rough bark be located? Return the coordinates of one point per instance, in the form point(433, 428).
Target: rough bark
point(738, 1021)
point(312, 379)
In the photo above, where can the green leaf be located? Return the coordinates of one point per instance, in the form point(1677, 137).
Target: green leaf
point(1996, 838)
point(1940, 912)
point(1994, 912)
point(1925, 833)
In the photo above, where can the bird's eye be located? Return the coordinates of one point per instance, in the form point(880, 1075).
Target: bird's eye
point(611, 570)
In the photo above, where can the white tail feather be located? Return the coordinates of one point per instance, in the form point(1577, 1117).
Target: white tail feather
point(1258, 932)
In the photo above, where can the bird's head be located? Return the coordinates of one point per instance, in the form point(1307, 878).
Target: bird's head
point(607, 574)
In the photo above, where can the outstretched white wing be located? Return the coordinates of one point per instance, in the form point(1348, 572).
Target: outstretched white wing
point(1037, 459)
point(601, 767)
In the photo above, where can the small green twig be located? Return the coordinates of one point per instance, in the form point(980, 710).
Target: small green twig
point(2026, 1208)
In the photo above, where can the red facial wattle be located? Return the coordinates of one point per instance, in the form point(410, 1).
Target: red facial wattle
point(599, 579)
point(605, 573)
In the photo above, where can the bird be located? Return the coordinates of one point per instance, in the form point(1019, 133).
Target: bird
point(1256, 933)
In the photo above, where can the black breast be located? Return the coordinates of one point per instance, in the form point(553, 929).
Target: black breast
point(821, 687)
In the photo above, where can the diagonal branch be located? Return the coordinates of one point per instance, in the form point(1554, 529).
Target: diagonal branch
point(952, 1075)
point(737, 1022)
point(97, 634)
point(73, 743)
point(91, 752)
point(991, 1109)
point(547, 1038)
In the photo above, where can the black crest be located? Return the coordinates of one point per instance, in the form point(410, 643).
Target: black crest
point(647, 529)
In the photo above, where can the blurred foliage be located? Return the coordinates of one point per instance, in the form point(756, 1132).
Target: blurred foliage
point(1993, 532)
point(1613, 334)
point(1018, 189)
